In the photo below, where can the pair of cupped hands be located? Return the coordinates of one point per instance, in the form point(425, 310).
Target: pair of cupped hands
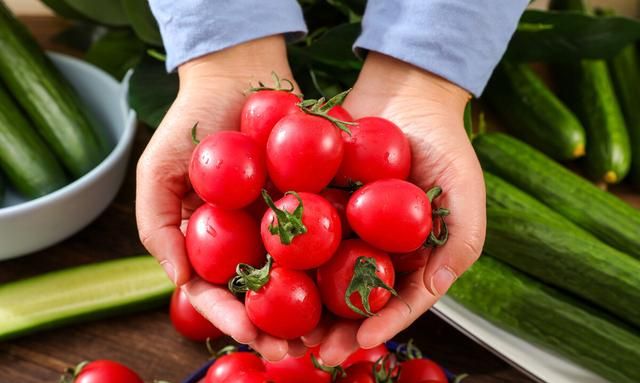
point(427, 108)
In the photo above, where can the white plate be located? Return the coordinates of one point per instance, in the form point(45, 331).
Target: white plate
point(539, 363)
point(28, 226)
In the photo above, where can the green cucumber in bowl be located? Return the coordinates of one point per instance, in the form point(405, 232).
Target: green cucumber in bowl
point(603, 214)
point(527, 308)
point(567, 257)
point(533, 113)
point(587, 88)
point(48, 99)
point(81, 293)
point(24, 157)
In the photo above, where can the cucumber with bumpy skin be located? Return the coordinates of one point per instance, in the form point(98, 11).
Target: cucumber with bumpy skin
point(604, 215)
point(587, 88)
point(561, 254)
point(533, 113)
point(81, 293)
point(539, 314)
point(24, 157)
point(47, 98)
point(625, 72)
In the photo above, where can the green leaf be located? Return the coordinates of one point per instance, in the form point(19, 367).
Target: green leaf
point(61, 8)
point(116, 52)
point(80, 35)
point(468, 120)
point(107, 12)
point(334, 47)
point(152, 90)
point(144, 24)
point(567, 36)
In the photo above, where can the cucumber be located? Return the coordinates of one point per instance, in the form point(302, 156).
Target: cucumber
point(625, 72)
point(527, 308)
point(533, 113)
point(47, 98)
point(587, 88)
point(598, 212)
point(24, 157)
point(81, 293)
point(565, 256)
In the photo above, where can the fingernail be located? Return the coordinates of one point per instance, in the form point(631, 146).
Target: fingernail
point(170, 270)
point(442, 280)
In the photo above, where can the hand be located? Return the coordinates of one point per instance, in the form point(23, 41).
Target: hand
point(430, 111)
point(212, 94)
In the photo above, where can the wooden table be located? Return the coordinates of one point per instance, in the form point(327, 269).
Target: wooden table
point(146, 341)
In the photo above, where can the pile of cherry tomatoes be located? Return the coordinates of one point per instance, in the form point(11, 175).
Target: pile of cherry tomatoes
point(306, 208)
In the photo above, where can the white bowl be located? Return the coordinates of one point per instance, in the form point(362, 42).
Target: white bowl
point(28, 226)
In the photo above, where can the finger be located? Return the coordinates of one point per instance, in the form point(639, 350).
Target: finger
point(158, 214)
point(465, 199)
point(271, 348)
point(339, 343)
point(316, 336)
point(398, 314)
point(222, 309)
point(190, 203)
point(297, 348)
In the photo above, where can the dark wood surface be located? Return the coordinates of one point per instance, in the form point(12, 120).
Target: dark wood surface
point(146, 341)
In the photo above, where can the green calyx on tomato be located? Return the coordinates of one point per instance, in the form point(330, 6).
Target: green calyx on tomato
point(385, 370)
point(408, 351)
point(364, 280)
point(289, 224)
point(71, 373)
point(194, 133)
point(321, 108)
point(435, 240)
point(277, 84)
point(335, 372)
point(250, 278)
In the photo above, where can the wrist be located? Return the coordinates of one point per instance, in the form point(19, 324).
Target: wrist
point(391, 77)
point(250, 61)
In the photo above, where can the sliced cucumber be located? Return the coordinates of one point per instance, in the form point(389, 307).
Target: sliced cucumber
point(81, 293)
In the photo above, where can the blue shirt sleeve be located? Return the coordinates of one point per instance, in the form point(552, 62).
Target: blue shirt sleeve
point(460, 40)
point(193, 28)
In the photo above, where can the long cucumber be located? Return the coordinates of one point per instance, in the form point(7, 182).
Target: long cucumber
point(606, 216)
point(533, 113)
point(588, 89)
point(527, 308)
point(80, 293)
point(47, 98)
point(24, 157)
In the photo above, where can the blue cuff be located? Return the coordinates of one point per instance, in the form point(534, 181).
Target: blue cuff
point(460, 40)
point(193, 28)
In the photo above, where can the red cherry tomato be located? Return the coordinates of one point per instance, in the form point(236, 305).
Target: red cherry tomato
point(366, 355)
point(303, 153)
point(418, 370)
point(376, 149)
point(263, 109)
point(187, 321)
point(232, 364)
point(217, 240)
point(106, 371)
point(228, 169)
point(308, 249)
point(340, 113)
point(359, 373)
point(297, 370)
point(335, 276)
point(392, 215)
point(288, 306)
point(339, 199)
point(248, 377)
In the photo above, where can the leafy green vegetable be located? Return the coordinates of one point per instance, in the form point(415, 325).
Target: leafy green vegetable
point(107, 12)
point(142, 21)
point(566, 36)
point(152, 90)
point(116, 52)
